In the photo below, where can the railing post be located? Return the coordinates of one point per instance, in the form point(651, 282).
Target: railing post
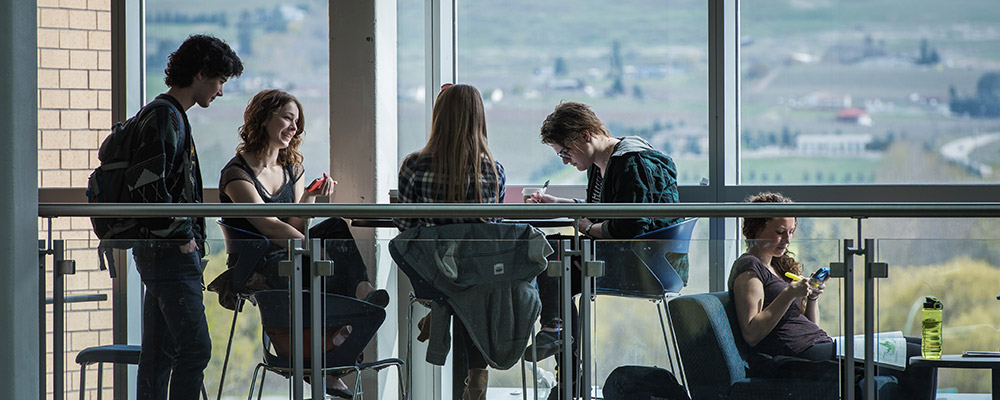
point(44, 249)
point(847, 383)
point(60, 267)
point(591, 269)
point(292, 268)
point(319, 268)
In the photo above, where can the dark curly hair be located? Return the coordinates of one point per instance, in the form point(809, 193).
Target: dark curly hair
point(569, 121)
point(253, 133)
point(201, 53)
point(752, 226)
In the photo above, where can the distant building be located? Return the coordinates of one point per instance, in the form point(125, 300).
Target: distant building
point(832, 145)
point(855, 116)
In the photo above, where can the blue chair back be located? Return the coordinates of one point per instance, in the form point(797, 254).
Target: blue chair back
point(363, 317)
point(248, 248)
point(704, 326)
point(639, 268)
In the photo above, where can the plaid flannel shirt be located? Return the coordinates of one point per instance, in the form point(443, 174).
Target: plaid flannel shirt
point(418, 184)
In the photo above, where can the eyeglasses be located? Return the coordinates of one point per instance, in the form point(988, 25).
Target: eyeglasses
point(446, 85)
point(564, 153)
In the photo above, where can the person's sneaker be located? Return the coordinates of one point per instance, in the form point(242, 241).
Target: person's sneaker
point(547, 344)
point(378, 297)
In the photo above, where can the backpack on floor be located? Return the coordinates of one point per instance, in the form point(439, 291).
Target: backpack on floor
point(107, 184)
point(634, 382)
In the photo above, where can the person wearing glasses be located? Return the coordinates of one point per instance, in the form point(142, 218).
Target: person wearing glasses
point(619, 170)
point(456, 166)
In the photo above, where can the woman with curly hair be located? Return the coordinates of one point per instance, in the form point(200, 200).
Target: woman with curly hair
point(268, 168)
point(778, 316)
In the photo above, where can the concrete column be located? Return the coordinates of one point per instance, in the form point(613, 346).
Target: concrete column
point(19, 291)
point(363, 145)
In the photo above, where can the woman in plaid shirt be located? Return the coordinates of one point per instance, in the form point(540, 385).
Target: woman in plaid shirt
point(455, 166)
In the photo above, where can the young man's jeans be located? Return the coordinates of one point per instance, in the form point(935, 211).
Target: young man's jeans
point(176, 346)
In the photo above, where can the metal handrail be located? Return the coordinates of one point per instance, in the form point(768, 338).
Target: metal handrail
point(847, 210)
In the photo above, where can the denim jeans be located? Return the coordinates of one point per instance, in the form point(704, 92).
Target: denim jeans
point(176, 345)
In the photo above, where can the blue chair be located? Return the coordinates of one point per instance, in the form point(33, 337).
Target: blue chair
point(639, 269)
point(248, 248)
point(363, 317)
point(716, 358)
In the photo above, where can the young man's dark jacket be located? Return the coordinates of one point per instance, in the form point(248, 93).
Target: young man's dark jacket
point(165, 169)
point(636, 173)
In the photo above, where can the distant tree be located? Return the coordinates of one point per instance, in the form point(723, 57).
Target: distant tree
point(560, 68)
point(617, 88)
point(667, 148)
point(787, 140)
point(244, 34)
point(617, 64)
point(637, 92)
point(691, 145)
point(928, 54)
point(988, 85)
point(986, 102)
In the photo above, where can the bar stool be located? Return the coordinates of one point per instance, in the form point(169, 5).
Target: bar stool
point(113, 353)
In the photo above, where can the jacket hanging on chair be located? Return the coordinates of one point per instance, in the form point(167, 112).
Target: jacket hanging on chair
point(481, 273)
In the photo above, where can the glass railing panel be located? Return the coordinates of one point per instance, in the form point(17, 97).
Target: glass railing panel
point(626, 328)
point(963, 275)
point(486, 277)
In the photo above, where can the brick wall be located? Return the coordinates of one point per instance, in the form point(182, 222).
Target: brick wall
point(74, 116)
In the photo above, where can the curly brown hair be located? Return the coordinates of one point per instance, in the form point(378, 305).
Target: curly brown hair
point(752, 226)
point(253, 132)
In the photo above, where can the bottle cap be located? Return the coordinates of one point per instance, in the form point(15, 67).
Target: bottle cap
point(932, 302)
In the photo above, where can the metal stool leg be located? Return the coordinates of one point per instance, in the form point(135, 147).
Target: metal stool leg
point(229, 347)
point(100, 381)
point(83, 380)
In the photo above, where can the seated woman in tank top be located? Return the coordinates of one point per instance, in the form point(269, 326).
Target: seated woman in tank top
point(779, 316)
point(268, 168)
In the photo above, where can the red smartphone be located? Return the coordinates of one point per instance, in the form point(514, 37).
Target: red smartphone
point(316, 183)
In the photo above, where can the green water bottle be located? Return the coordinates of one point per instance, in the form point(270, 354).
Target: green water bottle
point(930, 317)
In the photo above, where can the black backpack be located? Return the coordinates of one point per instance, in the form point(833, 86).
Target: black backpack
point(107, 183)
point(633, 382)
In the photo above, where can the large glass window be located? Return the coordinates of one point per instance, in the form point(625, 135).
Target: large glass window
point(284, 46)
point(410, 77)
point(879, 92)
point(642, 66)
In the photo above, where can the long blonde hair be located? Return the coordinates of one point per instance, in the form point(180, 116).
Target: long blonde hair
point(458, 143)
point(752, 226)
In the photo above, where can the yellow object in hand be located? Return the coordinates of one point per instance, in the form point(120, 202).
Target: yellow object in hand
point(797, 277)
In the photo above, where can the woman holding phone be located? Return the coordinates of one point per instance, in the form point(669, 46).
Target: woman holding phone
point(267, 168)
point(778, 310)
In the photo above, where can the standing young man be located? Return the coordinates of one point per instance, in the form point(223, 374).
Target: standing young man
point(176, 346)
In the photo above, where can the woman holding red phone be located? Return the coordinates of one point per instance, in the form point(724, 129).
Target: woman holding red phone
point(267, 168)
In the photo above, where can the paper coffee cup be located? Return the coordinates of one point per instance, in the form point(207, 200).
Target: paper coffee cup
point(526, 192)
